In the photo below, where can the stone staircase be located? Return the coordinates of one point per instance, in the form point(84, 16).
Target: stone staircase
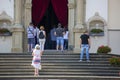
point(58, 66)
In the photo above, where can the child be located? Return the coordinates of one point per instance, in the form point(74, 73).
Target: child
point(36, 59)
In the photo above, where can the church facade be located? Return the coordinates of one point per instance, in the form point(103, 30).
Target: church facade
point(17, 42)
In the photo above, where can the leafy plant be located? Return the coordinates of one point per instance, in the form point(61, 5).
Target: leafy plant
point(96, 31)
point(103, 49)
point(4, 30)
point(115, 61)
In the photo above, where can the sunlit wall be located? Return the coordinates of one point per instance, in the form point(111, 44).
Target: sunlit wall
point(93, 6)
point(7, 6)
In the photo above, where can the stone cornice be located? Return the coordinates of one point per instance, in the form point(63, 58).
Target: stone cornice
point(5, 16)
point(97, 17)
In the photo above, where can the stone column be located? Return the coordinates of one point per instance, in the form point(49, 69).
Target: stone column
point(78, 29)
point(17, 13)
point(27, 20)
point(79, 13)
point(71, 20)
point(17, 30)
point(28, 11)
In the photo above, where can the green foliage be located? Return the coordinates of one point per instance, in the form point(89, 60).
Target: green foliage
point(96, 31)
point(115, 61)
point(4, 30)
point(103, 49)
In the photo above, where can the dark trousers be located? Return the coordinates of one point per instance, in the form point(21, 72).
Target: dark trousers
point(65, 44)
point(53, 44)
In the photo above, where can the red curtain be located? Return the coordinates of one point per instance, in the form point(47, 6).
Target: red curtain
point(38, 10)
point(60, 7)
point(61, 10)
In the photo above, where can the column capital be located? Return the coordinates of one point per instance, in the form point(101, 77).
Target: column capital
point(78, 30)
point(17, 25)
point(28, 5)
point(71, 5)
point(28, 1)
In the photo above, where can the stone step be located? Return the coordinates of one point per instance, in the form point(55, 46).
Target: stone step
point(94, 55)
point(49, 57)
point(55, 61)
point(57, 65)
point(63, 67)
point(57, 70)
point(59, 77)
point(62, 73)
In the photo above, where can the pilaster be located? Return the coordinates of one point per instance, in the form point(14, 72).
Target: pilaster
point(71, 20)
point(77, 33)
point(17, 30)
point(28, 10)
point(79, 28)
point(27, 20)
point(79, 13)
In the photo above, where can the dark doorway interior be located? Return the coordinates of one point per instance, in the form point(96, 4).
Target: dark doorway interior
point(48, 21)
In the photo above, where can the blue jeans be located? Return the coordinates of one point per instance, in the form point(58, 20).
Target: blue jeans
point(84, 47)
point(31, 41)
point(60, 41)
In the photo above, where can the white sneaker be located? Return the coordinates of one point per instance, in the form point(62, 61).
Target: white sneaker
point(40, 67)
point(80, 60)
point(88, 60)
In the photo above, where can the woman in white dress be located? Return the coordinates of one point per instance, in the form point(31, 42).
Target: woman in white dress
point(36, 62)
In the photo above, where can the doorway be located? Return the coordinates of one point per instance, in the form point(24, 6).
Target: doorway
point(49, 20)
point(49, 13)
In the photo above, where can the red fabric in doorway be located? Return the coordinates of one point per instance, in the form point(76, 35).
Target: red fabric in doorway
point(39, 8)
point(61, 10)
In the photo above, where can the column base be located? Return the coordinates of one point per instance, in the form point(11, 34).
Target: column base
point(76, 50)
point(17, 50)
point(17, 38)
point(79, 26)
point(77, 33)
point(70, 47)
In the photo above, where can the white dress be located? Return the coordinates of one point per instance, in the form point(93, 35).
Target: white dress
point(36, 62)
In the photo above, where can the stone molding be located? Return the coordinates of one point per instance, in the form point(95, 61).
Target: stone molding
point(28, 6)
point(6, 17)
point(71, 5)
point(96, 17)
point(78, 30)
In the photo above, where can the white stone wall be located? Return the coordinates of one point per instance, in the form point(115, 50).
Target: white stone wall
point(7, 6)
point(96, 42)
point(114, 41)
point(114, 25)
point(5, 44)
point(100, 6)
point(114, 14)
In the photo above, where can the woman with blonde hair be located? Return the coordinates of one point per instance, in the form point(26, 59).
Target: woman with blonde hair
point(36, 61)
point(42, 38)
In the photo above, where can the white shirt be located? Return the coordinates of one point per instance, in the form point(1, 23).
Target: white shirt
point(66, 35)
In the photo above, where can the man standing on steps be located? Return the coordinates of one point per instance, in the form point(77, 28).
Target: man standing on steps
point(59, 37)
point(53, 37)
point(85, 45)
point(30, 36)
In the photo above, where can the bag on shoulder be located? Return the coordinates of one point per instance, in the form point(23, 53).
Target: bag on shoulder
point(41, 35)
